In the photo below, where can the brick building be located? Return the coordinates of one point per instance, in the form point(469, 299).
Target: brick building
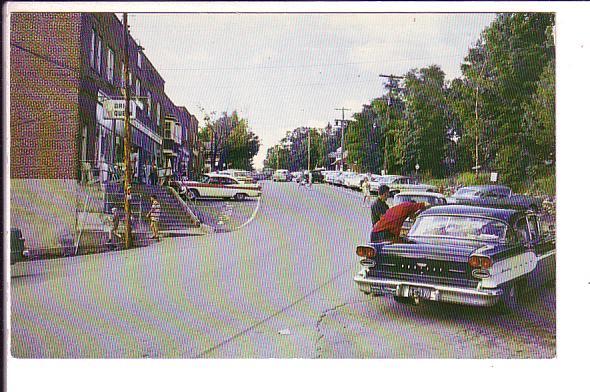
point(64, 69)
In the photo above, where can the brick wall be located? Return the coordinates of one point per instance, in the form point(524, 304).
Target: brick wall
point(44, 90)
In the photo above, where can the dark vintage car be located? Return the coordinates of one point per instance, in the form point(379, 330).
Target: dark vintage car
point(18, 251)
point(461, 254)
point(494, 195)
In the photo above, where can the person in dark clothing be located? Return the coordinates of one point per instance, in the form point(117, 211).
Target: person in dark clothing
point(379, 206)
point(390, 224)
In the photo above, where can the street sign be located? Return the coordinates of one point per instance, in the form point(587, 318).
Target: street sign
point(494, 177)
point(114, 109)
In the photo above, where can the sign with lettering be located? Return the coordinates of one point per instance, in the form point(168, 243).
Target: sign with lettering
point(114, 109)
point(494, 177)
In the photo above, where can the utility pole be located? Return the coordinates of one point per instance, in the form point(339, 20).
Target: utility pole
point(342, 135)
point(309, 155)
point(127, 139)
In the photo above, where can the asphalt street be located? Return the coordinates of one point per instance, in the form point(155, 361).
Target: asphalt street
point(278, 287)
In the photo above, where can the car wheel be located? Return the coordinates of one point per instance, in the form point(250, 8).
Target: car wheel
point(240, 196)
point(534, 208)
point(196, 194)
point(393, 193)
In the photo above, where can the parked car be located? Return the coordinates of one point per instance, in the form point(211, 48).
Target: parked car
point(354, 182)
point(375, 183)
point(240, 175)
point(339, 181)
point(461, 254)
point(281, 175)
point(297, 176)
point(222, 186)
point(398, 184)
point(18, 250)
point(431, 198)
point(330, 177)
point(494, 195)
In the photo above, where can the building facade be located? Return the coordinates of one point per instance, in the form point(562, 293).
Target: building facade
point(66, 74)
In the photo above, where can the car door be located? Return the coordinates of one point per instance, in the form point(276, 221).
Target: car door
point(543, 244)
point(229, 187)
point(215, 188)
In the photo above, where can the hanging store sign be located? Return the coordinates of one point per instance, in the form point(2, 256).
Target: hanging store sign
point(114, 109)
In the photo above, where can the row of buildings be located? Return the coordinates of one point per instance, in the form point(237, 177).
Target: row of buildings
point(66, 68)
point(67, 73)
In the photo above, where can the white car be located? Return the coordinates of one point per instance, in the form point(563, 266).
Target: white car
point(222, 186)
point(355, 181)
point(281, 175)
point(343, 176)
point(331, 177)
point(375, 183)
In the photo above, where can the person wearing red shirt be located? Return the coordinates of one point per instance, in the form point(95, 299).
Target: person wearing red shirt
point(390, 224)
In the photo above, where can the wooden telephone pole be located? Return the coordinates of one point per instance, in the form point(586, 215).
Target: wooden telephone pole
point(342, 135)
point(127, 140)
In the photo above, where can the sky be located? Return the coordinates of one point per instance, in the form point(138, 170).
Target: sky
point(283, 71)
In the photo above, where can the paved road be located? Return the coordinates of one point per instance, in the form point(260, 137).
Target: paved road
point(280, 287)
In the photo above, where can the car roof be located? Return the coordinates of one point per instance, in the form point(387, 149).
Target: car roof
point(219, 175)
point(419, 193)
point(486, 187)
point(504, 214)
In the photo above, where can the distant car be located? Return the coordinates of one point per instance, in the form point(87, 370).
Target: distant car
point(375, 183)
point(339, 181)
point(398, 184)
point(296, 176)
point(461, 254)
point(222, 186)
point(494, 196)
point(281, 175)
point(18, 251)
point(240, 175)
point(431, 198)
point(355, 182)
point(330, 177)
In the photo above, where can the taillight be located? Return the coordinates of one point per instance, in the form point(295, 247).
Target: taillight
point(480, 262)
point(366, 251)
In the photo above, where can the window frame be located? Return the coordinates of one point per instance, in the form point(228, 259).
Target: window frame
point(99, 55)
point(110, 64)
point(92, 48)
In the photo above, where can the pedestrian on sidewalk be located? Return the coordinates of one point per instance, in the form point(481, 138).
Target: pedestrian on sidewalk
point(154, 217)
point(366, 187)
point(389, 226)
point(379, 206)
point(114, 232)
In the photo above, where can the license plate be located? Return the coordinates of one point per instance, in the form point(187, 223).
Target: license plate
point(420, 292)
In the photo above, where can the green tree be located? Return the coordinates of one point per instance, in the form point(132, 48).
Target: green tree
point(428, 120)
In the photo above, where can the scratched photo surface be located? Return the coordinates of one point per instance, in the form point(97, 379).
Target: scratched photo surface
point(273, 185)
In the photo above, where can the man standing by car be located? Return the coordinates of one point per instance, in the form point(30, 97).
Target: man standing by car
point(390, 224)
point(154, 216)
point(379, 206)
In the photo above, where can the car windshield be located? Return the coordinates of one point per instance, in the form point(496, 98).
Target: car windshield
point(464, 227)
point(418, 199)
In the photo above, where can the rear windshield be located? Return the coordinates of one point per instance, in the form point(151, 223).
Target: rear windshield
point(464, 227)
point(418, 199)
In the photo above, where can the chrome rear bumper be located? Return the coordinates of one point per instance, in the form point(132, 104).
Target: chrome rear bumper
point(438, 293)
